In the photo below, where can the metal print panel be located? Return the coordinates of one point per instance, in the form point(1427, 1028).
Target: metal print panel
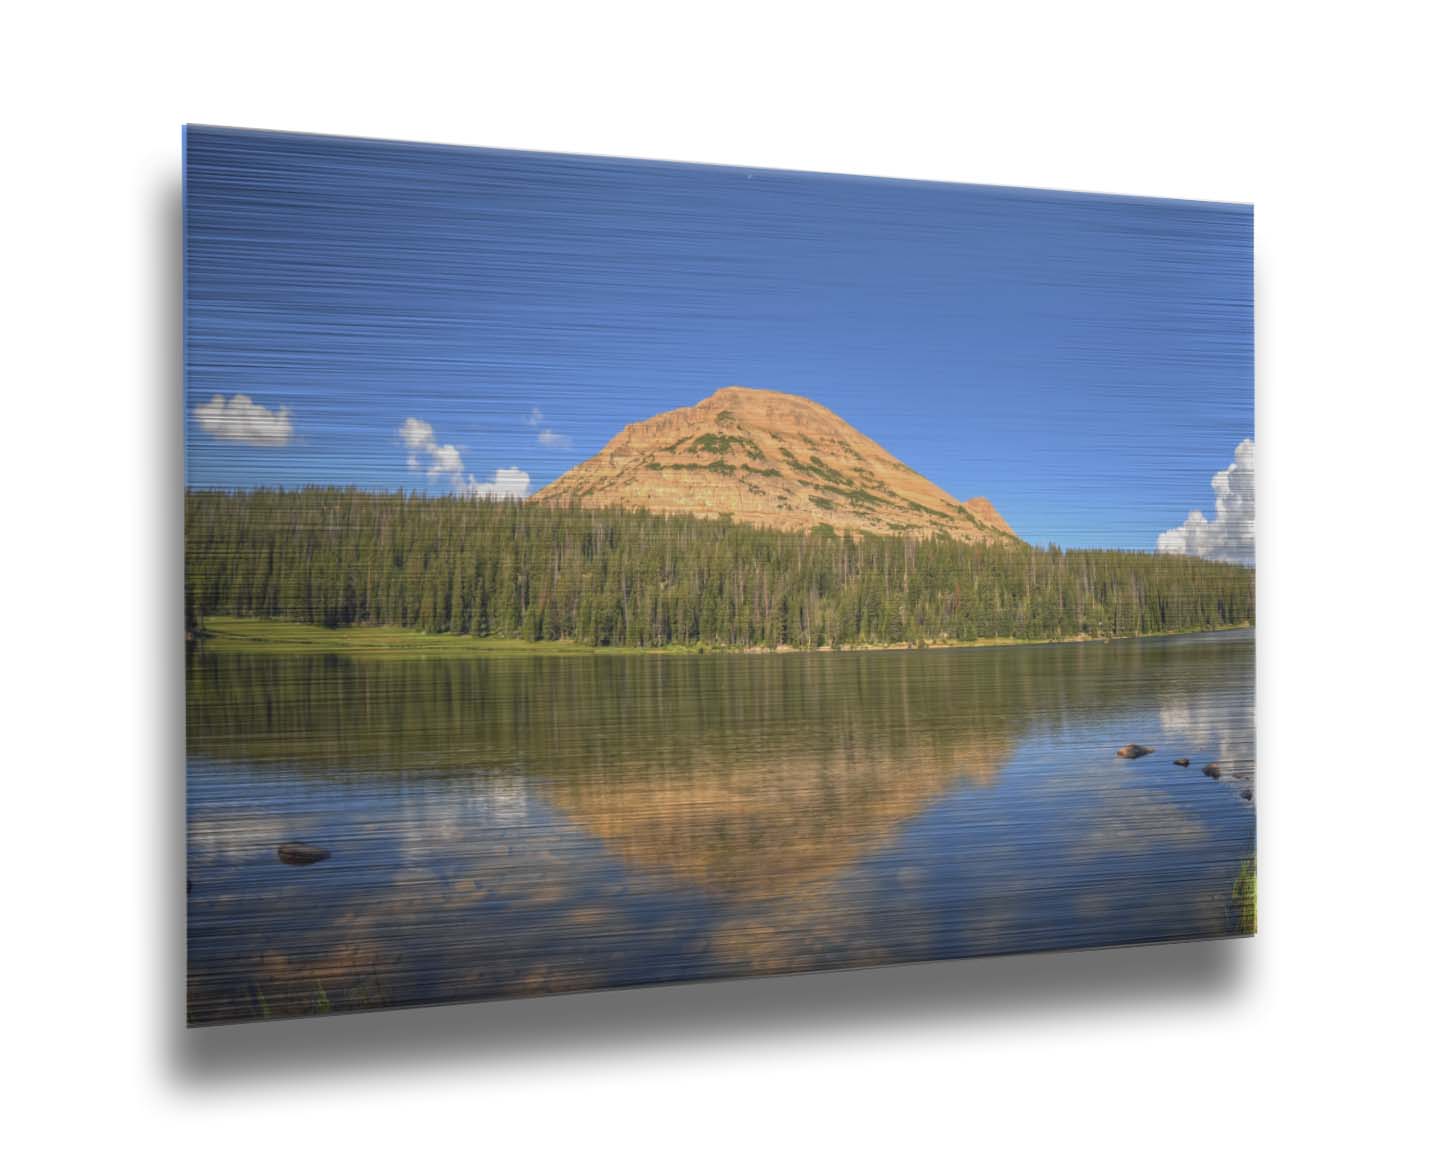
point(602, 572)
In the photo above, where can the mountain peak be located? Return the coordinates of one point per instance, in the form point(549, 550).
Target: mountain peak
point(773, 459)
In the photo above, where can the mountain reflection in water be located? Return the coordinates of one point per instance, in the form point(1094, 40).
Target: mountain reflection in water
point(526, 824)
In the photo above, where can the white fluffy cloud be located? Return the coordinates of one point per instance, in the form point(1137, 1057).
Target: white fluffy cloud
point(504, 484)
point(240, 418)
point(438, 460)
point(1231, 534)
point(443, 462)
point(416, 433)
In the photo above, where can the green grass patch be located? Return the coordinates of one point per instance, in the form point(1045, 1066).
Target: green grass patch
point(227, 634)
point(274, 637)
point(1243, 899)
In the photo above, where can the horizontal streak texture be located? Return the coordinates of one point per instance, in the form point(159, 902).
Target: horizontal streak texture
point(443, 746)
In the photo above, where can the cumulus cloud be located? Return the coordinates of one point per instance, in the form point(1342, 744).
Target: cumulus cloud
point(504, 484)
point(240, 418)
point(443, 462)
point(1230, 535)
point(425, 451)
point(416, 433)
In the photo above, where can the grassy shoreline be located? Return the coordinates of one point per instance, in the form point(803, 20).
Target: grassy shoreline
point(226, 634)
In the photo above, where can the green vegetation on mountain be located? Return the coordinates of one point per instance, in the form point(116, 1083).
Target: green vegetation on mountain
point(607, 577)
point(772, 460)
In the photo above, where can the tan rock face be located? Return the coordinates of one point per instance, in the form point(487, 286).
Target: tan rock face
point(774, 460)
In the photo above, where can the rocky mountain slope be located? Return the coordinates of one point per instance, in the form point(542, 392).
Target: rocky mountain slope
point(774, 460)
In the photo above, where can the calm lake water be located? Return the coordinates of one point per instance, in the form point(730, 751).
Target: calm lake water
point(520, 824)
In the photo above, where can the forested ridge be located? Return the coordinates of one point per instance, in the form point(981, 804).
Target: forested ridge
point(531, 571)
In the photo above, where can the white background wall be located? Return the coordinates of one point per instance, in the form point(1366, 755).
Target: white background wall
point(1319, 1030)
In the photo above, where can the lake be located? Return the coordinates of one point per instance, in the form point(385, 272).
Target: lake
point(510, 825)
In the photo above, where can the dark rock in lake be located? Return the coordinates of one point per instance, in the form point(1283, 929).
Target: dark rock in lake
point(1133, 751)
point(302, 853)
point(1213, 771)
point(1247, 794)
point(1184, 762)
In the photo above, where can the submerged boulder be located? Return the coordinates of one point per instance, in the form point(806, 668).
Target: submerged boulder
point(1213, 771)
point(302, 853)
point(1247, 794)
point(1184, 762)
point(1133, 751)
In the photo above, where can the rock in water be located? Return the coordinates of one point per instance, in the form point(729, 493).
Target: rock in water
point(302, 853)
point(1184, 762)
point(1213, 771)
point(1247, 793)
point(1133, 751)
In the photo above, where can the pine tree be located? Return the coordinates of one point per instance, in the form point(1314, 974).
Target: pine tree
point(502, 568)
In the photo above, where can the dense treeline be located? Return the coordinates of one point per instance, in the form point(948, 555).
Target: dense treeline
point(609, 577)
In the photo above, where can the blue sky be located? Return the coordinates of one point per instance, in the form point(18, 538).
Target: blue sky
point(1086, 362)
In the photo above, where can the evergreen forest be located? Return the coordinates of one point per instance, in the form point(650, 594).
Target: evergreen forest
point(611, 577)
